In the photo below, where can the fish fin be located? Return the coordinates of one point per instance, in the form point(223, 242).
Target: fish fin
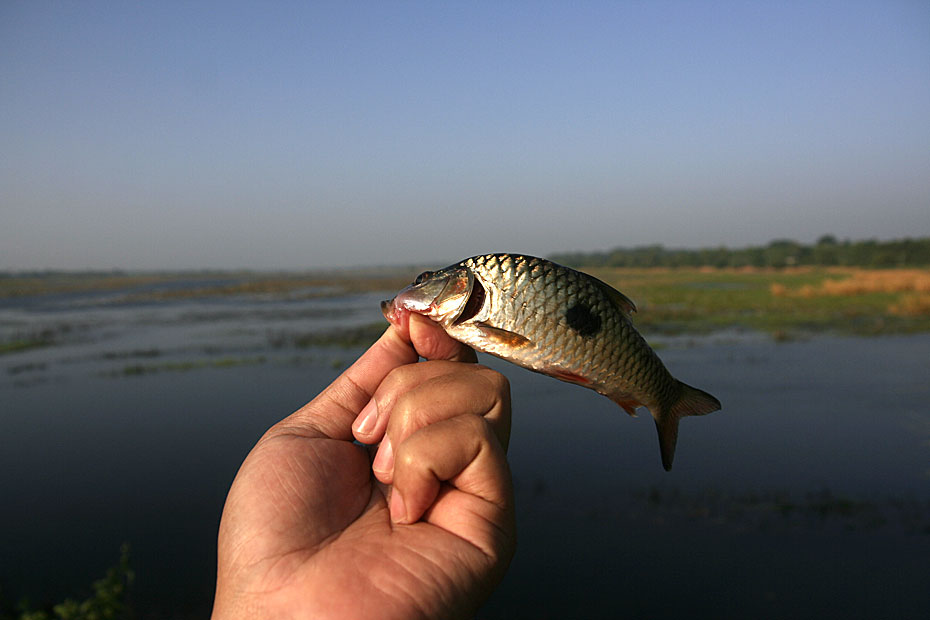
point(691, 401)
point(502, 336)
point(629, 404)
point(621, 301)
point(567, 375)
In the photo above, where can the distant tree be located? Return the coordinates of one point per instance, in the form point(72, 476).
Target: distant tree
point(778, 253)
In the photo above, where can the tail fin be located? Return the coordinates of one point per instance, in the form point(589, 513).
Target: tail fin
point(691, 401)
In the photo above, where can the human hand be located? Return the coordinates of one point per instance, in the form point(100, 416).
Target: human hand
point(308, 532)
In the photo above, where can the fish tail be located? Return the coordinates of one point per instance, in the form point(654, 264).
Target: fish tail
point(691, 401)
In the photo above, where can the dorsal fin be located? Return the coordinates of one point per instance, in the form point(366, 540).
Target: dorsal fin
point(624, 303)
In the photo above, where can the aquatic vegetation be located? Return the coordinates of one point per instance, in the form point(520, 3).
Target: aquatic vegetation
point(108, 600)
point(783, 509)
point(30, 367)
point(73, 282)
point(23, 344)
point(116, 355)
point(344, 337)
point(45, 337)
point(184, 366)
point(168, 286)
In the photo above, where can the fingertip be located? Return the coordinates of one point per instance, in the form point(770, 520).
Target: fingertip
point(399, 319)
point(366, 422)
point(397, 507)
point(383, 463)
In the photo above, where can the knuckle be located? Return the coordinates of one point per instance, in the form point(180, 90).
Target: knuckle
point(405, 411)
point(396, 379)
point(475, 424)
point(499, 383)
point(407, 459)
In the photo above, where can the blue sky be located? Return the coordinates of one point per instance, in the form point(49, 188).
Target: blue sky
point(301, 135)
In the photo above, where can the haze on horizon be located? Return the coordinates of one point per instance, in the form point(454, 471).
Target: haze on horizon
point(254, 135)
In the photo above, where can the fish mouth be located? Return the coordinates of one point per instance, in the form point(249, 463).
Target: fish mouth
point(420, 297)
point(387, 307)
point(448, 297)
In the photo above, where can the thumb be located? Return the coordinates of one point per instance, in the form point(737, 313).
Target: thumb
point(433, 343)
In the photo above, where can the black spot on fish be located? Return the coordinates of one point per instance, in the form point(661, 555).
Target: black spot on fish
point(426, 275)
point(582, 320)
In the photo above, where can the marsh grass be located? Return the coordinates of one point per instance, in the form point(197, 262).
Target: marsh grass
point(20, 342)
point(776, 509)
point(780, 302)
point(44, 284)
point(211, 284)
point(346, 337)
point(18, 345)
point(131, 370)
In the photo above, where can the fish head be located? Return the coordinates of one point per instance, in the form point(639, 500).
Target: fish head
point(440, 295)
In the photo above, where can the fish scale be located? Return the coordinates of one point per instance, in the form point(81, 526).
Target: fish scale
point(557, 321)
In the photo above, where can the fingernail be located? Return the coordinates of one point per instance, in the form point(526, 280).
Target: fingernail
point(367, 419)
point(384, 460)
point(398, 509)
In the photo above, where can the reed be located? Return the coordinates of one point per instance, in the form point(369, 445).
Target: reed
point(909, 288)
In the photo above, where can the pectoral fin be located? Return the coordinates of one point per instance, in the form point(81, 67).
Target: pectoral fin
point(502, 336)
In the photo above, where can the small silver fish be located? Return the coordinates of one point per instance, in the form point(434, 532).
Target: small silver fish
point(559, 322)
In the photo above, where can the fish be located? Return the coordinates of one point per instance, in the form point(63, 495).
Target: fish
point(557, 321)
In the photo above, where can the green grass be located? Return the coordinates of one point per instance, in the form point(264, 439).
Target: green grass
point(132, 370)
point(23, 344)
point(701, 301)
point(214, 284)
point(348, 337)
point(19, 286)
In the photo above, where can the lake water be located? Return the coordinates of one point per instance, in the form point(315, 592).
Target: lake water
point(808, 494)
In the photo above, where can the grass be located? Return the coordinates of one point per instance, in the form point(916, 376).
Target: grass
point(20, 286)
point(347, 337)
point(24, 342)
point(19, 345)
point(768, 509)
point(780, 302)
point(132, 370)
point(210, 284)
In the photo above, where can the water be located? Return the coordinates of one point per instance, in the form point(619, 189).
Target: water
point(809, 493)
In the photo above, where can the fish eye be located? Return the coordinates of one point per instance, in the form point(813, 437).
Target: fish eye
point(423, 276)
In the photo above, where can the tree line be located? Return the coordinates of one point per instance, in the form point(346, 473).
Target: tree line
point(827, 251)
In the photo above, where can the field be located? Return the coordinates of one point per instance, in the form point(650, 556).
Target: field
point(785, 302)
